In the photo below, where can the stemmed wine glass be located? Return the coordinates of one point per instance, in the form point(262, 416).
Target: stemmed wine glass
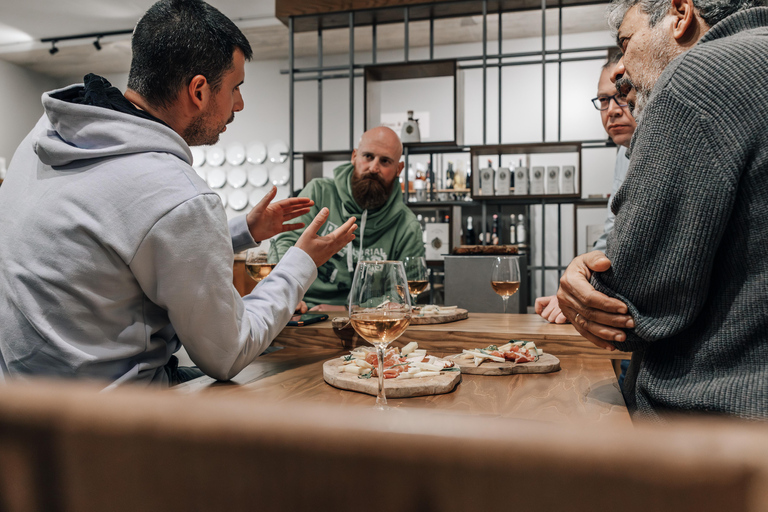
point(380, 308)
point(505, 278)
point(416, 272)
point(256, 264)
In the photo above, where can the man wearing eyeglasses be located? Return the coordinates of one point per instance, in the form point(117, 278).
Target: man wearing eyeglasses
point(620, 125)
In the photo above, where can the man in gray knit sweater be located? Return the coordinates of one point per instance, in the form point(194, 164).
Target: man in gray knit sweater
point(683, 284)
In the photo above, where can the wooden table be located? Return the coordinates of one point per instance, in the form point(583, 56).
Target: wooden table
point(583, 391)
point(479, 330)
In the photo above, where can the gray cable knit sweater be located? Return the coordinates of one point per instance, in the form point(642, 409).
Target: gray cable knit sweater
point(691, 238)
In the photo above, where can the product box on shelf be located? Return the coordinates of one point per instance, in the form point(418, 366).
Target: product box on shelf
point(537, 180)
point(503, 181)
point(437, 245)
point(553, 179)
point(487, 177)
point(568, 180)
point(521, 181)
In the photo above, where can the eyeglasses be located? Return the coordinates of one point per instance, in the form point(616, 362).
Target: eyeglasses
point(603, 102)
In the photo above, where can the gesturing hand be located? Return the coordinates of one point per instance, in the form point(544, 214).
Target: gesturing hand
point(596, 316)
point(321, 248)
point(549, 309)
point(266, 219)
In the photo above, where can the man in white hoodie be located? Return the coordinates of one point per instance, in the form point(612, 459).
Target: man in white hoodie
point(115, 253)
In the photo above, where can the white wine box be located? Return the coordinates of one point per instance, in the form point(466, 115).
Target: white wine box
point(553, 179)
point(503, 181)
point(568, 180)
point(537, 180)
point(486, 181)
point(521, 181)
point(437, 240)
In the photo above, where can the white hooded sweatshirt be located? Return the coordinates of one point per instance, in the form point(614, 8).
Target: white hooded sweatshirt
point(114, 253)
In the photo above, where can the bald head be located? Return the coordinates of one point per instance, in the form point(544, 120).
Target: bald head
point(377, 166)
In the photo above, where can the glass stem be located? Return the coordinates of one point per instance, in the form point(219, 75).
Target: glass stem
point(381, 400)
point(504, 299)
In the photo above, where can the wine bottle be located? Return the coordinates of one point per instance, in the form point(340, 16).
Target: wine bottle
point(521, 235)
point(512, 230)
point(495, 230)
point(469, 236)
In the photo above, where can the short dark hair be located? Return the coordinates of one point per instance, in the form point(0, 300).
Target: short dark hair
point(176, 40)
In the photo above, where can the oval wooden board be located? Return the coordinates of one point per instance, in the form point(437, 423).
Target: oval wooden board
point(547, 363)
point(393, 388)
point(342, 322)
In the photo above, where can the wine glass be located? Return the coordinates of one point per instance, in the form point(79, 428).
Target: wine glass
point(416, 272)
point(256, 264)
point(379, 308)
point(505, 278)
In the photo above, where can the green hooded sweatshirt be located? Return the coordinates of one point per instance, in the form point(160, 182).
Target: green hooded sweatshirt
point(387, 233)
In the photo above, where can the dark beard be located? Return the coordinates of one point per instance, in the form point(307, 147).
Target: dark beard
point(370, 191)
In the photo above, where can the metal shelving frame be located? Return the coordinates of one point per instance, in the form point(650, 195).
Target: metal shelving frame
point(545, 56)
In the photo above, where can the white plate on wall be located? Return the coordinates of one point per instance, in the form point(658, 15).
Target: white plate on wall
point(198, 156)
point(223, 196)
point(217, 177)
point(236, 177)
point(257, 195)
point(279, 175)
point(258, 175)
point(256, 153)
point(277, 152)
point(215, 156)
point(235, 153)
point(282, 193)
point(238, 200)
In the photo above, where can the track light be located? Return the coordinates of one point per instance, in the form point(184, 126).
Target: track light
point(53, 50)
point(96, 43)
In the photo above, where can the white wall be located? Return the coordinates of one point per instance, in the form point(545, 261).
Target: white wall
point(20, 104)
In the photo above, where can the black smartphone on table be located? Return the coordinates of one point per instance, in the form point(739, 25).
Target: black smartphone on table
point(307, 318)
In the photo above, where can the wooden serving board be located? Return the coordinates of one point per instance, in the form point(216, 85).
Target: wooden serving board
point(342, 322)
point(393, 388)
point(547, 363)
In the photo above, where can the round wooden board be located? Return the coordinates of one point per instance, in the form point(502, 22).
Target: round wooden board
point(547, 363)
point(393, 388)
point(342, 322)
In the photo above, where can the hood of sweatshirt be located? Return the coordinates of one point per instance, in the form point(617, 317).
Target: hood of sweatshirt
point(86, 125)
point(380, 219)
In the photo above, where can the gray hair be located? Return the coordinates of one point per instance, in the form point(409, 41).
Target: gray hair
point(711, 11)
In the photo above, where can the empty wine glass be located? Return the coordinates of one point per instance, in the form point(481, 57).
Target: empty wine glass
point(379, 308)
point(416, 272)
point(256, 264)
point(505, 278)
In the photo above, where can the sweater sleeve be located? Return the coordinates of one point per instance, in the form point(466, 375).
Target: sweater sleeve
point(241, 235)
point(671, 214)
point(191, 278)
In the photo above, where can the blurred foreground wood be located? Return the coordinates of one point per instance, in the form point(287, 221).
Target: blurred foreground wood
point(66, 447)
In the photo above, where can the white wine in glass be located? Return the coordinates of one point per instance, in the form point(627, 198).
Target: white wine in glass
point(378, 309)
point(416, 272)
point(256, 264)
point(505, 277)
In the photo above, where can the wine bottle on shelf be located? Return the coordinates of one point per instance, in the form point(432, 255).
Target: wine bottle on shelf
point(495, 230)
point(520, 229)
point(512, 230)
point(449, 176)
point(469, 235)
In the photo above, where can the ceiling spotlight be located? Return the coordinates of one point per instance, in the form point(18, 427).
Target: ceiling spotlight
point(97, 44)
point(53, 50)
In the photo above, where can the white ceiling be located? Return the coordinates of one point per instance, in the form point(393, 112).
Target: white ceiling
point(25, 22)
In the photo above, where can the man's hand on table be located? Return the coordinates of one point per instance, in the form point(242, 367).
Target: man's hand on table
point(549, 309)
point(322, 248)
point(266, 219)
point(596, 316)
